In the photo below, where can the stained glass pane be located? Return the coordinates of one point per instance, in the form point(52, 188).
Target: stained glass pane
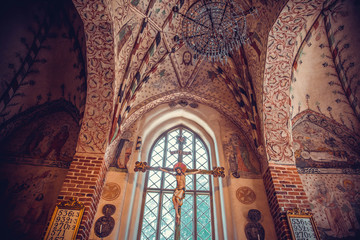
point(154, 179)
point(149, 225)
point(203, 217)
point(202, 182)
point(201, 155)
point(172, 156)
point(188, 148)
point(187, 217)
point(189, 182)
point(167, 229)
point(169, 181)
point(157, 154)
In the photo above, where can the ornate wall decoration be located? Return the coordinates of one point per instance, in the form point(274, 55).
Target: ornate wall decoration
point(323, 146)
point(26, 68)
point(245, 195)
point(315, 83)
point(33, 190)
point(280, 55)
point(123, 150)
point(111, 191)
point(254, 230)
point(240, 159)
point(334, 204)
point(49, 140)
point(100, 69)
point(342, 24)
point(105, 224)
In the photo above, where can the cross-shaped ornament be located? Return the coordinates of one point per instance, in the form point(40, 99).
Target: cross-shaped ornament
point(179, 193)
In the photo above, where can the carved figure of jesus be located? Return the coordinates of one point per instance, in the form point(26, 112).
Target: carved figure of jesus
point(179, 192)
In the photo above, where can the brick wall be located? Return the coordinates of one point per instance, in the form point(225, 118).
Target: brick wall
point(85, 181)
point(284, 191)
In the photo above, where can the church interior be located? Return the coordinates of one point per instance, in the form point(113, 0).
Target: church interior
point(92, 89)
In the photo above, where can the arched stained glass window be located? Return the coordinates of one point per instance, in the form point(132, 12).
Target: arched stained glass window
point(158, 214)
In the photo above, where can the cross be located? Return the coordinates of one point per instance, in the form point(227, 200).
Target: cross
point(179, 192)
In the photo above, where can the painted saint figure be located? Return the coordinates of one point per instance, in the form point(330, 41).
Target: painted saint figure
point(179, 192)
point(327, 201)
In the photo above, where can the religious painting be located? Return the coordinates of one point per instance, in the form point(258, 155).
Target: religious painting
point(123, 151)
point(324, 149)
point(28, 193)
point(50, 140)
point(242, 161)
point(187, 58)
point(335, 203)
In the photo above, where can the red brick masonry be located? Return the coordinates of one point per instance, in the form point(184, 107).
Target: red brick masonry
point(85, 181)
point(285, 191)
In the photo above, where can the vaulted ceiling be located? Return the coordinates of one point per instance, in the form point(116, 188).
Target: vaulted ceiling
point(138, 50)
point(133, 64)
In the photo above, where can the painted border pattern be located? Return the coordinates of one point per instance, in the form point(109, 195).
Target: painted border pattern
point(277, 77)
point(100, 69)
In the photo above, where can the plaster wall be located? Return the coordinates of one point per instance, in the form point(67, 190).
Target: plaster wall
point(215, 130)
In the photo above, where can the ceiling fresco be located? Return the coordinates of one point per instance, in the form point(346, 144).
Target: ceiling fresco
point(133, 64)
point(150, 65)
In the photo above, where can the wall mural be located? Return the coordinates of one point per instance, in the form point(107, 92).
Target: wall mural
point(242, 162)
point(111, 191)
point(100, 69)
point(48, 141)
point(123, 151)
point(315, 82)
point(328, 160)
point(245, 195)
point(335, 203)
point(342, 22)
point(27, 198)
point(277, 75)
point(34, 54)
point(322, 146)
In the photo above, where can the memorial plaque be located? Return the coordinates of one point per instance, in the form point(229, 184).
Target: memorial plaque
point(302, 225)
point(65, 220)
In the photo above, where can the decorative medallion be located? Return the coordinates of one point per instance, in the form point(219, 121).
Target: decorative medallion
point(111, 191)
point(254, 230)
point(245, 195)
point(105, 224)
point(254, 215)
point(108, 209)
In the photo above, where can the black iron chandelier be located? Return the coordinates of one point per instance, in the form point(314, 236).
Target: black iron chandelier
point(214, 28)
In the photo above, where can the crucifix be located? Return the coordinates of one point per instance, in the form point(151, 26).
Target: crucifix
point(180, 171)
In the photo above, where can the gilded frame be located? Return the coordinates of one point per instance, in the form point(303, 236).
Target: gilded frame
point(302, 214)
point(72, 205)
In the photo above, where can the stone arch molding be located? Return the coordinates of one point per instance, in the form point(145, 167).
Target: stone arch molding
point(100, 75)
point(296, 18)
point(218, 105)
